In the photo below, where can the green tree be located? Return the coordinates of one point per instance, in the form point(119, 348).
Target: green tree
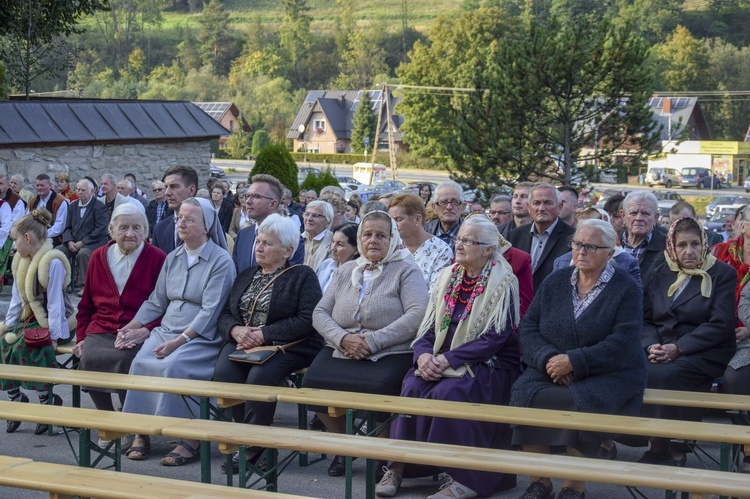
point(35, 34)
point(238, 144)
point(260, 141)
point(269, 103)
point(310, 182)
point(275, 160)
point(188, 54)
point(3, 83)
point(218, 45)
point(345, 24)
point(363, 123)
point(682, 62)
point(361, 62)
point(295, 37)
point(116, 30)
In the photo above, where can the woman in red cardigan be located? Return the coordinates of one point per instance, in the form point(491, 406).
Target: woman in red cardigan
point(120, 277)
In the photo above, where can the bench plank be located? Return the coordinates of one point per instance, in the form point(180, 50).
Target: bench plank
point(118, 423)
point(454, 456)
point(118, 381)
point(711, 432)
point(725, 401)
point(91, 482)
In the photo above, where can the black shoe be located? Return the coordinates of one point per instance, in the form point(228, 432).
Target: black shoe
point(11, 426)
point(649, 457)
point(338, 466)
point(316, 424)
point(567, 493)
point(42, 428)
point(538, 490)
point(255, 460)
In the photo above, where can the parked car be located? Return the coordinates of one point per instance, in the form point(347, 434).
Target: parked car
point(668, 196)
point(747, 185)
point(608, 193)
point(215, 171)
point(348, 183)
point(391, 185)
point(699, 178)
point(716, 201)
point(663, 176)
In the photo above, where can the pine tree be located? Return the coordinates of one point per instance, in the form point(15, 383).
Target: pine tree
point(364, 123)
point(275, 160)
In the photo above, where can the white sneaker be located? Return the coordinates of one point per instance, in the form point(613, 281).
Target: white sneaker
point(452, 489)
point(389, 484)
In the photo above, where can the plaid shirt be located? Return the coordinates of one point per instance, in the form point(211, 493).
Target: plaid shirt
point(638, 250)
point(160, 207)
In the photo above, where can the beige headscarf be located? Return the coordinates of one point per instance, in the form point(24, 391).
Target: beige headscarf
point(396, 251)
point(707, 261)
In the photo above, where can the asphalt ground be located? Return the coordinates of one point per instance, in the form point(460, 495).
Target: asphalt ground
point(311, 481)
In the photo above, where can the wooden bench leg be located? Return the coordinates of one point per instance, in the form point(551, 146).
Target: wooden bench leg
point(56, 495)
point(372, 423)
point(205, 446)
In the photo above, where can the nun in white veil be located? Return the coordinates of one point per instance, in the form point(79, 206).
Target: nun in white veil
point(192, 287)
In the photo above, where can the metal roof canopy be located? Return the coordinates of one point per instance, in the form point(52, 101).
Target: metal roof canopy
point(60, 121)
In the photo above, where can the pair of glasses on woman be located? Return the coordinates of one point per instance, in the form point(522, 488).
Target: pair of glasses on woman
point(588, 248)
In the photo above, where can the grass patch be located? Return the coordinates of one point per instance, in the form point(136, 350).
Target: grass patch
point(699, 203)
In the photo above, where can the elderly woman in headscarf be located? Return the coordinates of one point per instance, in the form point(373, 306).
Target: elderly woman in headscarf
point(579, 340)
point(369, 316)
point(466, 351)
point(191, 290)
point(688, 327)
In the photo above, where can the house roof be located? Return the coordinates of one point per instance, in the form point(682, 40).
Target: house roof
point(216, 110)
point(61, 121)
point(682, 112)
point(339, 107)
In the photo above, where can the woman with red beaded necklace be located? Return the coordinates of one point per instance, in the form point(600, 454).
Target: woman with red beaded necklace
point(467, 351)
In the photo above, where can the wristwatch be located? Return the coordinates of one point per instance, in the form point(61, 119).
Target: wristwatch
point(187, 337)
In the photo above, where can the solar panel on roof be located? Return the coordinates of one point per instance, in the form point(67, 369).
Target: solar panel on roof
point(681, 103)
point(655, 102)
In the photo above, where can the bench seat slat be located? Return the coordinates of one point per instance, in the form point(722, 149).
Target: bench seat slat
point(91, 482)
point(712, 432)
point(442, 455)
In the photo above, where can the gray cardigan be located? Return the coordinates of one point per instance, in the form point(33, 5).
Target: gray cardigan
point(390, 313)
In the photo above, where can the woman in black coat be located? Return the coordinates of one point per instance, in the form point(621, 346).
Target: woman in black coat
point(688, 327)
point(270, 303)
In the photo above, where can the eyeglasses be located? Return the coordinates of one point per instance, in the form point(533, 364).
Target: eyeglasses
point(499, 212)
point(158, 190)
point(453, 202)
point(315, 216)
point(186, 220)
point(590, 248)
point(257, 197)
point(465, 241)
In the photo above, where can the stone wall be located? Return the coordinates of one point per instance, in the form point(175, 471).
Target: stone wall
point(148, 161)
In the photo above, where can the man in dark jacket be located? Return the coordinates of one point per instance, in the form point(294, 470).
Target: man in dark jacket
point(640, 210)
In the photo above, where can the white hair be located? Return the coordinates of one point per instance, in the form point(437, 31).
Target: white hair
point(606, 231)
point(111, 178)
point(283, 228)
point(488, 234)
point(87, 183)
point(545, 185)
point(449, 184)
point(640, 197)
point(327, 209)
point(128, 183)
point(129, 210)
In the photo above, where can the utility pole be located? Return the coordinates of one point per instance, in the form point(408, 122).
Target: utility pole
point(391, 147)
point(404, 27)
point(377, 133)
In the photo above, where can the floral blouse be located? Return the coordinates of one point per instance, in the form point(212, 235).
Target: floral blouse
point(581, 304)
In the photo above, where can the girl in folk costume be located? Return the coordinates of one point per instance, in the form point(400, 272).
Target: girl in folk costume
point(40, 275)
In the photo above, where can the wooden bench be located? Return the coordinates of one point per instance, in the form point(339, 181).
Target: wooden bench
point(63, 481)
point(344, 403)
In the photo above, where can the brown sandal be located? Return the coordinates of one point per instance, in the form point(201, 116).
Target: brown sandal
point(141, 450)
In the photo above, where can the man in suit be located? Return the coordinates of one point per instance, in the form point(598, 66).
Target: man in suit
point(547, 237)
point(641, 239)
point(263, 198)
point(54, 202)
point(520, 207)
point(181, 183)
point(85, 228)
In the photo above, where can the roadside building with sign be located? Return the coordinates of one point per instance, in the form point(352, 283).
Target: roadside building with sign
point(727, 159)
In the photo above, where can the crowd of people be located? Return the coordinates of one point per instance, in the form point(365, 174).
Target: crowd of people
point(537, 303)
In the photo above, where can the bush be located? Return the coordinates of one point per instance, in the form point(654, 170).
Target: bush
point(316, 183)
point(275, 160)
point(310, 182)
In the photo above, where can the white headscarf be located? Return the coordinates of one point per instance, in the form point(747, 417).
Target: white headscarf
point(396, 251)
